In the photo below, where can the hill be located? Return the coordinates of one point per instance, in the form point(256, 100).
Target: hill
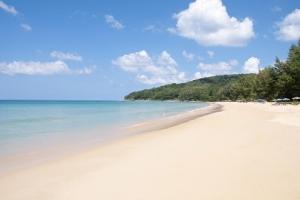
point(278, 81)
point(205, 89)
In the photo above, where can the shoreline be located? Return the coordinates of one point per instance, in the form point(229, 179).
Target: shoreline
point(173, 120)
point(31, 159)
point(247, 151)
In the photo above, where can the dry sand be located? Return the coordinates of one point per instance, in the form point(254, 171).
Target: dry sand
point(246, 152)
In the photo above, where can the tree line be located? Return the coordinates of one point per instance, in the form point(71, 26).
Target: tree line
point(281, 80)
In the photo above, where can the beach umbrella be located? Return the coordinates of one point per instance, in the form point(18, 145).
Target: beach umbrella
point(296, 98)
point(279, 100)
point(285, 99)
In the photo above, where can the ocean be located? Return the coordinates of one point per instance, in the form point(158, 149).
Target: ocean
point(31, 128)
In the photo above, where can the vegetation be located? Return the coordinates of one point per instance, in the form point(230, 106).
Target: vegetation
point(279, 81)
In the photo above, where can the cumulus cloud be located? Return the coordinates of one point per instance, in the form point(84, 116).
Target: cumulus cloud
point(208, 23)
point(212, 69)
point(252, 65)
point(8, 8)
point(113, 22)
point(39, 68)
point(289, 27)
point(26, 27)
point(134, 61)
point(150, 70)
point(187, 55)
point(199, 75)
point(65, 56)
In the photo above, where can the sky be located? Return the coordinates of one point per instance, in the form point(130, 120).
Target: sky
point(102, 50)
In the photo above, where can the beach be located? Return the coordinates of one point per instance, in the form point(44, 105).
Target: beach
point(244, 151)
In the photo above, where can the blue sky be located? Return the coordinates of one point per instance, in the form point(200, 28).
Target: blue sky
point(105, 49)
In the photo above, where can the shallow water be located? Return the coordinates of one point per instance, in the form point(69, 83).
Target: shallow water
point(30, 128)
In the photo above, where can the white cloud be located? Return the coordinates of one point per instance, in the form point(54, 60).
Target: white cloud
point(211, 54)
point(224, 66)
point(113, 22)
point(85, 70)
point(219, 68)
point(166, 60)
point(134, 61)
point(153, 28)
point(150, 70)
point(187, 55)
point(8, 8)
point(252, 65)
point(39, 68)
point(26, 27)
point(289, 27)
point(208, 23)
point(65, 56)
point(199, 75)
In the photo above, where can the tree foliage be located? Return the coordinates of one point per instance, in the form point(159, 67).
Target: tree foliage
point(277, 81)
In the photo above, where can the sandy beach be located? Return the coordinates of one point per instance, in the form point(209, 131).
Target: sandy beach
point(247, 151)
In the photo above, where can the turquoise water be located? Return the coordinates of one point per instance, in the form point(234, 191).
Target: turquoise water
point(32, 126)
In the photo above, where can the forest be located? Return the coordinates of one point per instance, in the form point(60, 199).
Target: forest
point(282, 80)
